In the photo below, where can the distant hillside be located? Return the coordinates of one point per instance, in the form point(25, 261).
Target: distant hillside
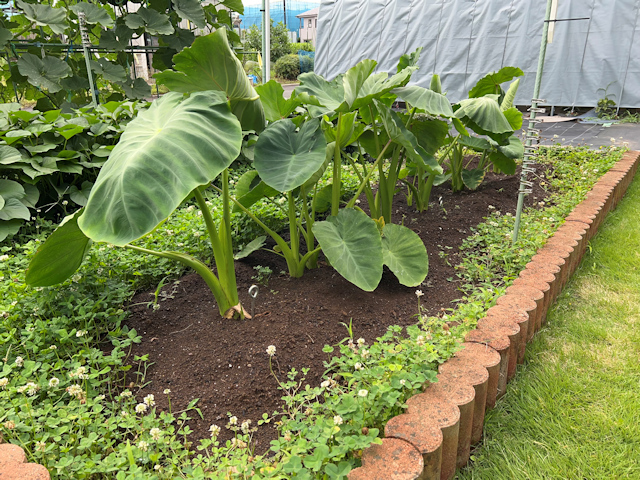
point(253, 15)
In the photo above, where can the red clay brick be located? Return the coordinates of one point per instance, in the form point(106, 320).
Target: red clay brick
point(490, 359)
point(394, 459)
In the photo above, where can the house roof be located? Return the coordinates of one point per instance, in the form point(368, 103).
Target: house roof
point(311, 13)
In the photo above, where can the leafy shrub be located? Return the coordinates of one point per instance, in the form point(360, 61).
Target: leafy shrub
point(288, 67)
point(51, 159)
point(304, 46)
point(307, 63)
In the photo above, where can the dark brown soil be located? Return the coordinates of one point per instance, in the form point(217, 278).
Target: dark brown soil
point(196, 354)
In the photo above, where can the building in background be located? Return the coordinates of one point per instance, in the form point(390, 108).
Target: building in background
point(309, 26)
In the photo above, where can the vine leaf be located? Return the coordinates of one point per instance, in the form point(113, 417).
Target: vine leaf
point(154, 22)
point(110, 71)
point(93, 14)
point(190, 10)
point(44, 15)
point(45, 73)
point(116, 39)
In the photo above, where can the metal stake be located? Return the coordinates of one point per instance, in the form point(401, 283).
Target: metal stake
point(86, 45)
point(253, 293)
point(532, 133)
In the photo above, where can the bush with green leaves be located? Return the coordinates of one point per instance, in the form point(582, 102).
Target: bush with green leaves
point(43, 46)
point(288, 67)
point(280, 44)
point(304, 46)
point(49, 161)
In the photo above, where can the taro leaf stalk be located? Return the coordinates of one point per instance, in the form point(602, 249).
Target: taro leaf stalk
point(166, 155)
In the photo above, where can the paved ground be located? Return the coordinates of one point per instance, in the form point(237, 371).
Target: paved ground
point(574, 133)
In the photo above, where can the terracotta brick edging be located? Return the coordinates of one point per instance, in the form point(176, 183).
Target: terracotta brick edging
point(433, 437)
point(13, 466)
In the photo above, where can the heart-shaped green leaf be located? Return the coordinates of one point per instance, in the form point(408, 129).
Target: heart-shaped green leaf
point(473, 178)
point(210, 64)
point(190, 10)
point(9, 227)
point(110, 71)
point(483, 116)
point(44, 73)
point(60, 256)
point(137, 88)
point(9, 155)
point(405, 254)
point(251, 189)
point(431, 102)
point(286, 159)
point(314, 88)
point(430, 134)
point(154, 22)
point(276, 107)
point(117, 39)
point(44, 15)
point(93, 14)
point(490, 84)
point(352, 243)
point(164, 154)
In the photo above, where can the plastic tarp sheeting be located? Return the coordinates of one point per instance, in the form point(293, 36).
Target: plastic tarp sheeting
point(464, 40)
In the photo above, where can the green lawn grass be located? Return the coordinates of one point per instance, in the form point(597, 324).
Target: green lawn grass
point(573, 410)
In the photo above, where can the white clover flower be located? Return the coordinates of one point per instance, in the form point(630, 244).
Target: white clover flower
point(149, 400)
point(361, 342)
point(81, 333)
point(19, 361)
point(358, 366)
point(4, 382)
point(4, 258)
point(325, 384)
point(612, 140)
point(235, 442)
point(215, 430)
point(420, 341)
point(491, 207)
point(169, 232)
point(155, 433)
point(245, 426)
point(99, 398)
point(199, 213)
point(126, 393)
point(166, 391)
point(40, 446)
point(21, 389)
point(54, 382)
point(191, 208)
point(144, 446)
point(75, 391)
point(364, 352)
point(157, 467)
point(403, 382)
point(141, 408)
point(419, 293)
point(233, 420)
point(76, 278)
point(208, 203)
point(9, 424)
point(337, 420)
point(281, 200)
point(363, 393)
point(197, 234)
point(124, 413)
point(271, 350)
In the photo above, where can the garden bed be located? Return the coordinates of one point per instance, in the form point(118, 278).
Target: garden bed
point(196, 354)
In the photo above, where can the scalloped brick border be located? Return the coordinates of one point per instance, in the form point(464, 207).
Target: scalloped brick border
point(427, 442)
point(13, 466)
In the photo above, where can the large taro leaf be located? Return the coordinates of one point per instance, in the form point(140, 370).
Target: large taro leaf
point(514, 117)
point(473, 178)
point(210, 64)
point(155, 23)
point(510, 96)
point(276, 107)
point(316, 90)
point(60, 256)
point(190, 10)
point(483, 116)
point(475, 143)
point(44, 73)
point(251, 189)
point(93, 14)
point(405, 254)
point(409, 59)
point(164, 154)
point(490, 84)
point(12, 194)
point(361, 86)
point(110, 71)
point(430, 134)
point(286, 159)
point(504, 156)
point(45, 16)
point(351, 242)
point(431, 102)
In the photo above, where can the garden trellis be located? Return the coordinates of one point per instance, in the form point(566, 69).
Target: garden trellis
point(464, 39)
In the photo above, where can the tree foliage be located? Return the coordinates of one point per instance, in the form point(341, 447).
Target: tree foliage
point(280, 45)
point(43, 59)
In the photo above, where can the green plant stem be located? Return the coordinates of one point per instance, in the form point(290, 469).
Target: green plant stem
point(224, 304)
point(337, 172)
point(294, 233)
point(352, 202)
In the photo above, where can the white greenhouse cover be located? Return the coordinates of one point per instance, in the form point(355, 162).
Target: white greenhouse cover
point(464, 40)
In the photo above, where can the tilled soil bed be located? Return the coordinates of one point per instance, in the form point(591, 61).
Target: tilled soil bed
point(196, 354)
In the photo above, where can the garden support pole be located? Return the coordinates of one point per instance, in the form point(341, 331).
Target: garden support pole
point(86, 44)
point(531, 133)
point(266, 41)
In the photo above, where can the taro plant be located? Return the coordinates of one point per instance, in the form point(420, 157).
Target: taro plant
point(169, 153)
point(488, 112)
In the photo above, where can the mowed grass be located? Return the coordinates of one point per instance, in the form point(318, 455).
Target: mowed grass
point(573, 410)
